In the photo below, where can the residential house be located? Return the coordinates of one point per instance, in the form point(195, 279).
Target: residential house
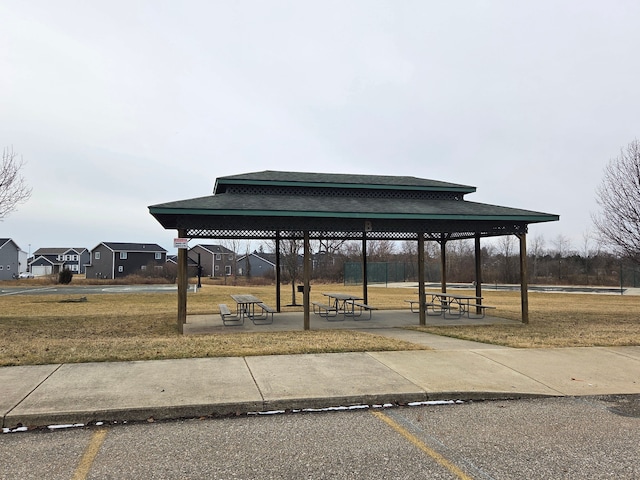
point(118, 259)
point(216, 260)
point(13, 260)
point(192, 266)
point(47, 261)
point(257, 264)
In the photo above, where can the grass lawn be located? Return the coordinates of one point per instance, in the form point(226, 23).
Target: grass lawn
point(37, 329)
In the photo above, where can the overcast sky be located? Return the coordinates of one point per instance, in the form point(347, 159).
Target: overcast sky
point(118, 105)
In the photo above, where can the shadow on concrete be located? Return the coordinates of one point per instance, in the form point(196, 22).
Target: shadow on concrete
point(294, 321)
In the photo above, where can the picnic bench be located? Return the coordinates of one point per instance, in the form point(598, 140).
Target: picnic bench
point(263, 318)
point(362, 307)
point(227, 318)
point(480, 307)
point(326, 310)
point(436, 308)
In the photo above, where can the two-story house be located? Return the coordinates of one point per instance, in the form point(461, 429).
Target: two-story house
point(47, 261)
point(257, 264)
point(216, 260)
point(260, 264)
point(119, 259)
point(13, 260)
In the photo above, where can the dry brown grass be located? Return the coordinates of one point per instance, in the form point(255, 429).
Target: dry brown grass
point(556, 320)
point(38, 329)
point(41, 329)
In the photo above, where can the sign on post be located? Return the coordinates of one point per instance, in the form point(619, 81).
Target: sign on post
point(181, 243)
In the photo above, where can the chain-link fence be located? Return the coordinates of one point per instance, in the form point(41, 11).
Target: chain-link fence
point(377, 272)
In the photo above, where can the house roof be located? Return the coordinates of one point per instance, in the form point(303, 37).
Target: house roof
point(255, 205)
point(213, 248)
point(40, 259)
point(58, 250)
point(132, 247)
point(174, 259)
point(5, 241)
point(265, 257)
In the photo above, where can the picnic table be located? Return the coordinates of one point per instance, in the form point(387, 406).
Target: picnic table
point(343, 302)
point(346, 304)
point(246, 307)
point(452, 305)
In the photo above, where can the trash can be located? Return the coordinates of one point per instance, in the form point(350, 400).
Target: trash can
point(301, 288)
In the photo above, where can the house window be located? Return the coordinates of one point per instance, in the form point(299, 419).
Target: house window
point(143, 267)
point(120, 268)
point(97, 255)
point(158, 256)
point(0, 267)
point(227, 270)
point(230, 257)
point(217, 267)
point(123, 255)
point(8, 267)
point(218, 256)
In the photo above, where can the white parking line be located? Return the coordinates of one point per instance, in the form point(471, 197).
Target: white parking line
point(28, 290)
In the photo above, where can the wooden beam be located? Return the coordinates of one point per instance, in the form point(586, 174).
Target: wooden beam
point(421, 289)
point(443, 265)
point(182, 284)
point(524, 283)
point(306, 273)
point(478, 259)
point(278, 271)
point(364, 268)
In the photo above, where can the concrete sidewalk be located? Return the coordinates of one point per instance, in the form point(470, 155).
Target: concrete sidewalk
point(136, 391)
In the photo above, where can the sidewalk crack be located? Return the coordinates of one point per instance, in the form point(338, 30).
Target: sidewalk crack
point(4, 417)
point(264, 403)
point(478, 352)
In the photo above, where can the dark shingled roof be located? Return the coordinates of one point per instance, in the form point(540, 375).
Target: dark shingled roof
point(312, 206)
point(340, 180)
point(272, 200)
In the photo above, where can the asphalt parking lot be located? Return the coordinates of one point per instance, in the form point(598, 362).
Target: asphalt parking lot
point(568, 437)
point(87, 289)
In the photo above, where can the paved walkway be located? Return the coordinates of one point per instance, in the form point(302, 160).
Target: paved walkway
point(453, 369)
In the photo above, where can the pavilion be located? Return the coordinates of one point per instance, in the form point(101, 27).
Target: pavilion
point(275, 205)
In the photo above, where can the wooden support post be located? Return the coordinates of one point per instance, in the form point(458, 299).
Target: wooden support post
point(182, 284)
point(478, 259)
point(443, 265)
point(524, 283)
point(364, 268)
point(278, 271)
point(306, 273)
point(421, 289)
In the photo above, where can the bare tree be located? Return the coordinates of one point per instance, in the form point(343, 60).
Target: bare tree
point(562, 247)
point(380, 250)
point(329, 252)
point(587, 254)
point(507, 246)
point(618, 196)
point(291, 263)
point(536, 250)
point(13, 188)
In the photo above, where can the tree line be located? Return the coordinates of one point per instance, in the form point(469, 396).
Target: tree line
point(551, 263)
